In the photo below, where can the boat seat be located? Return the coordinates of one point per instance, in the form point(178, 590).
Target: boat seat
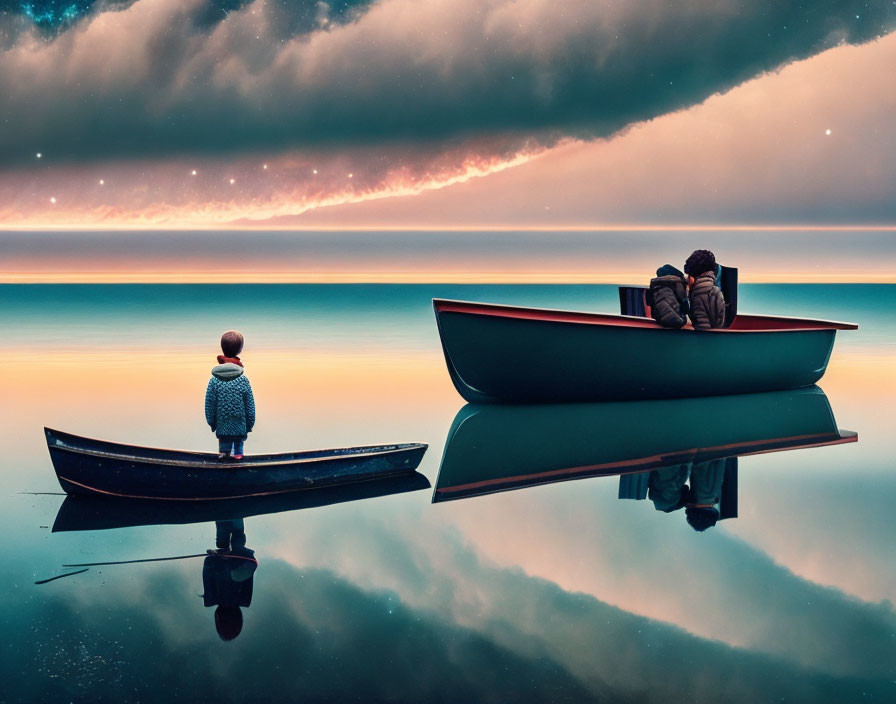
point(728, 502)
point(634, 486)
point(632, 300)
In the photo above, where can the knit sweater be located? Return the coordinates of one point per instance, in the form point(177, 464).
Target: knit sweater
point(229, 404)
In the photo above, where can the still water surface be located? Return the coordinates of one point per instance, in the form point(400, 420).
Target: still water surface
point(558, 592)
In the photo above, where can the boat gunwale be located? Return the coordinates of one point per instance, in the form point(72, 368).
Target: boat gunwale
point(553, 315)
point(210, 459)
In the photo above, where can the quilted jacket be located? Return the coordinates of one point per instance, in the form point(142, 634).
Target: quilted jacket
point(229, 405)
point(668, 300)
point(707, 302)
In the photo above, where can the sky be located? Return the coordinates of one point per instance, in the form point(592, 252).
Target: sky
point(446, 113)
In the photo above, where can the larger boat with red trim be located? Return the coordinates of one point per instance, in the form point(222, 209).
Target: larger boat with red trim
point(509, 354)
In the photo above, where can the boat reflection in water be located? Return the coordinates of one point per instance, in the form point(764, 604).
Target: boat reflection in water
point(681, 453)
point(228, 573)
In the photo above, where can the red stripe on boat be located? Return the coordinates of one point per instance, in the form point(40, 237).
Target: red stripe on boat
point(742, 323)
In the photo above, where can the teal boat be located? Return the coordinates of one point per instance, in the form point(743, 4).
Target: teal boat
point(494, 448)
point(508, 354)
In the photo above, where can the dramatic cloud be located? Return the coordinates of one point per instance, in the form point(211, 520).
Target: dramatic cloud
point(308, 636)
point(200, 192)
point(812, 143)
point(621, 552)
point(173, 77)
point(312, 635)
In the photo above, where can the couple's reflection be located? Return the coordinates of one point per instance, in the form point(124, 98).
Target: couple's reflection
point(228, 574)
point(697, 488)
point(707, 491)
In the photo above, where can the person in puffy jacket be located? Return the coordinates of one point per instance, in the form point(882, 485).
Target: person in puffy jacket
point(707, 301)
point(667, 297)
point(702, 510)
point(229, 404)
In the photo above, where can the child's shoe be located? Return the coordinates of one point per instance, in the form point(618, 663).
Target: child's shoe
point(237, 457)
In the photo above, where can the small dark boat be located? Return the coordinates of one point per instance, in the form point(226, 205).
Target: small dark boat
point(85, 466)
point(102, 512)
point(497, 448)
point(508, 354)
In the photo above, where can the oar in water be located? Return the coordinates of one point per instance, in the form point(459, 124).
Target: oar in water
point(130, 562)
point(60, 576)
point(162, 559)
point(87, 565)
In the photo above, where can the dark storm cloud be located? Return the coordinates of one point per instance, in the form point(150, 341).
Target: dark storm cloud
point(298, 15)
point(173, 77)
point(711, 584)
point(311, 635)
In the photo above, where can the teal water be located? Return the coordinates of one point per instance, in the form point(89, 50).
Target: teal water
point(560, 592)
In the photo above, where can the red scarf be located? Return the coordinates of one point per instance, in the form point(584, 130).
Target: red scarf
point(229, 360)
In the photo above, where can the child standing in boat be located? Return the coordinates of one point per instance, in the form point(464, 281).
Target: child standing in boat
point(229, 404)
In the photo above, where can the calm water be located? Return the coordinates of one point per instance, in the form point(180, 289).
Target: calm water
point(561, 592)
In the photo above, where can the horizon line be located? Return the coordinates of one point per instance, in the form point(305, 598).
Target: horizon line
point(436, 278)
point(622, 227)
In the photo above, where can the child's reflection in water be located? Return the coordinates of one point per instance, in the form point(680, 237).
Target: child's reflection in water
point(227, 577)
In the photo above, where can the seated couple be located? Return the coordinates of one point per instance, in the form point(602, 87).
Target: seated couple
point(672, 298)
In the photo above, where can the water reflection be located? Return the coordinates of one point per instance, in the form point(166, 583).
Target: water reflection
point(79, 513)
point(682, 454)
point(228, 574)
point(706, 490)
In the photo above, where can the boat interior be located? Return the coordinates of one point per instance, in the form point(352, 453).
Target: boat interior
point(78, 444)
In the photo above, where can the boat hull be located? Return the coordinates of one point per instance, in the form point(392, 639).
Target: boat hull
point(497, 357)
point(494, 448)
point(87, 466)
point(79, 513)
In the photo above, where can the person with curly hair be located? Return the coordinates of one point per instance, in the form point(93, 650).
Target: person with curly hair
point(706, 299)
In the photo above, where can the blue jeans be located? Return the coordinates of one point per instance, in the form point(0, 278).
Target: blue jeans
point(230, 446)
point(230, 534)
